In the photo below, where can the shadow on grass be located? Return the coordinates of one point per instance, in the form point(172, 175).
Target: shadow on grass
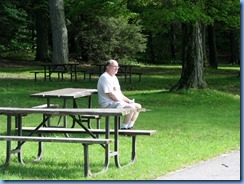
point(50, 170)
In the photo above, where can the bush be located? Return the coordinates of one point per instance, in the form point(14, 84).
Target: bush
point(105, 38)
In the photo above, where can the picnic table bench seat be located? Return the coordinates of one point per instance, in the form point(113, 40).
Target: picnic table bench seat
point(91, 73)
point(84, 141)
point(95, 131)
point(137, 73)
point(79, 71)
point(129, 133)
point(45, 106)
point(56, 139)
point(129, 74)
point(60, 74)
point(96, 73)
point(35, 74)
point(87, 119)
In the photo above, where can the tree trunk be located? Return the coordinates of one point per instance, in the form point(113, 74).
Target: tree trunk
point(59, 32)
point(234, 47)
point(151, 48)
point(42, 22)
point(172, 42)
point(192, 75)
point(212, 47)
point(204, 44)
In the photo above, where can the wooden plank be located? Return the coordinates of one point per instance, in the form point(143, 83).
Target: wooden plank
point(95, 131)
point(90, 116)
point(56, 139)
point(45, 106)
point(67, 111)
point(66, 92)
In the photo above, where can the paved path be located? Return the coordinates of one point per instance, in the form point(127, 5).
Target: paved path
point(224, 167)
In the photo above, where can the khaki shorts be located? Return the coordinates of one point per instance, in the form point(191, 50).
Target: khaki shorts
point(119, 105)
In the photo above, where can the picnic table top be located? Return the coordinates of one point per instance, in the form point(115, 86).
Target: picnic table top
point(66, 93)
point(66, 111)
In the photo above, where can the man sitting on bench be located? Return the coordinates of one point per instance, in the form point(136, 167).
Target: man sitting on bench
point(111, 96)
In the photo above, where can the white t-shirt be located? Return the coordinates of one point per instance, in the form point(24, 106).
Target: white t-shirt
point(107, 84)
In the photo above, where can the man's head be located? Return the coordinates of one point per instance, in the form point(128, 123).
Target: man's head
point(112, 67)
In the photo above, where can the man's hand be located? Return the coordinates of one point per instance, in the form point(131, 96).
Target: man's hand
point(132, 101)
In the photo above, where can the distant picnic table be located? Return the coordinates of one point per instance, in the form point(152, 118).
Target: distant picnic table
point(48, 69)
point(125, 70)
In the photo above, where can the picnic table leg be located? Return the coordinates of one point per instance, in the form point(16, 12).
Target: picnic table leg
point(44, 116)
point(64, 117)
point(35, 76)
point(133, 152)
point(50, 72)
point(87, 170)
point(19, 122)
point(116, 145)
point(20, 143)
point(8, 144)
point(71, 72)
point(18, 148)
point(107, 157)
point(74, 106)
point(89, 106)
point(40, 148)
point(75, 73)
point(116, 142)
point(45, 73)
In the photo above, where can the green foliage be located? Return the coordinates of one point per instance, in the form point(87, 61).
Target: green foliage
point(91, 8)
point(110, 37)
point(226, 12)
point(104, 29)
point(14, 32)
point(145, 18)
point(158, 15)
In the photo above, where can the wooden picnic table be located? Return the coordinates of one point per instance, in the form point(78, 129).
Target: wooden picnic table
point(50, 68)
point(124, 69)
point(66, 94)
point(20, 112)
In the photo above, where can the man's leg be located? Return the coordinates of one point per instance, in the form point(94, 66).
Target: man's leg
point(133, 120)
point(127, 120)
point(132, 117)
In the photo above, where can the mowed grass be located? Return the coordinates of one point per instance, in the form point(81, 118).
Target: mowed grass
point(192, 125)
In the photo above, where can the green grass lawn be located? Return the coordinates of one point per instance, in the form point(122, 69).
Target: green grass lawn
point(191, 125)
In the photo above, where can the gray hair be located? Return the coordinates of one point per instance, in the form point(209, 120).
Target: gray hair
point(109, 62)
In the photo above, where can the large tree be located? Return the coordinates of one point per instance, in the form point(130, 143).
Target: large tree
point(192, 58)
point(42, 26)
point(196, 16)
point(59, 32)
point(192, 75)
point(192, 16)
